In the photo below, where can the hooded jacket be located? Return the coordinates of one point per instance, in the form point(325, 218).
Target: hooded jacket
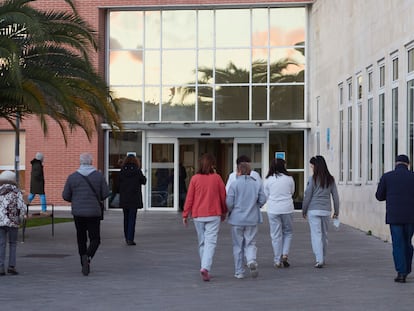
point(37, 179)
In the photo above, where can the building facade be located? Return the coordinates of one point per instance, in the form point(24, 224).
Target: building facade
point(292, 78)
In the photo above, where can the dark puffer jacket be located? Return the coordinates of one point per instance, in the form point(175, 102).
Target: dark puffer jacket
point(37, 179)
point(83, 199)
point(397, 188)
point(130, 181)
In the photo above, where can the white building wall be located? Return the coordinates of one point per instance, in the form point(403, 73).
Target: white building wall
point(345, 38)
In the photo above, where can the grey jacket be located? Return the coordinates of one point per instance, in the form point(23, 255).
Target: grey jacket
point(83, 199)
point(318, 198)
point(244, 199)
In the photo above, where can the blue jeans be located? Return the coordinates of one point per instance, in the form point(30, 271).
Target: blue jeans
point(402, 248)
point(130, 218)
point(42, 200)
point(11, 232)
point(281, 232)
point(207, 233)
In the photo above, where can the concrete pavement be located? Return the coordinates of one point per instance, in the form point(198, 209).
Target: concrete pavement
point(162, 272)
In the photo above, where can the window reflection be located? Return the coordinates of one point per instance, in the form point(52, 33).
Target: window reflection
point(177, 107)
point(232, 103)
point(152, 29)
point(260, 27)
point(152, 104)
point(126, 31)
point(130, 102)
point(179, 29)
point(289, 63)
point(287, 26)
point(232, 66)
point(206, 29)
point(259, 100)
point(152, 67)
point(286, 102)
point(233, 28)
point(205, 103)
point(126, 67)
point(178, 66)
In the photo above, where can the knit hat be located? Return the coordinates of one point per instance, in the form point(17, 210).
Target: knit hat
point(39, 156)
point(403, 158)
point(8, 175)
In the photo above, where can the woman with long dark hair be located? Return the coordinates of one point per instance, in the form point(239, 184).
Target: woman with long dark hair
point(131, 180)
point(317, 207)
point(279, 188)
point(206, 204)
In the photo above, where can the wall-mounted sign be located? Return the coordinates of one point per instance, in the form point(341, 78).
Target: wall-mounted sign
point(280, 155)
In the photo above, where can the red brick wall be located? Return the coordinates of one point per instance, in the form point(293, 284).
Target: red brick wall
point(61, 159)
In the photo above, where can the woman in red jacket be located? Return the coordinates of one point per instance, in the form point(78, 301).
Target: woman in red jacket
point(206, 203)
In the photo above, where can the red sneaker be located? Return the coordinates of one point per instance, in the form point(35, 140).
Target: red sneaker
point(205, 275)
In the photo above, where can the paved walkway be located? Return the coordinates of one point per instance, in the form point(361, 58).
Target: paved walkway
point(161, 272)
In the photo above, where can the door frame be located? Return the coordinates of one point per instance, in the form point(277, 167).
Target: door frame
point(256, 140)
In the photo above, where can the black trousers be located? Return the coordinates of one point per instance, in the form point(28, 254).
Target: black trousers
point(88, 227)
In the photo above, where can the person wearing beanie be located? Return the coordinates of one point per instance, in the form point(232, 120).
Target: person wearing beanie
point(85, 189)
point(396, 188)
point(37, 181)
point(12, 208)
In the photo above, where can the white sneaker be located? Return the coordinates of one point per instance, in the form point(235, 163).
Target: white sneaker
point(254, 272)
point(239, 276)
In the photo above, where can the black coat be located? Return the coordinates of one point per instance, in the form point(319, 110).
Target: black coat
point(37, 179)
point(130, 181)
point(397, 189)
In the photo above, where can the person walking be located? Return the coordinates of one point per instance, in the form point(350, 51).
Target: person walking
point(12, 209)
point(279, 188)
point(233, 175)
point(244, 199)
point(131, 180)
point(396, 188)
point(206, 204)
point(86, 189)
point(37, 181)
point(316, 206)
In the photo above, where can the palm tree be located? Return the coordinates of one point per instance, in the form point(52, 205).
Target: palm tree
point(45, 69)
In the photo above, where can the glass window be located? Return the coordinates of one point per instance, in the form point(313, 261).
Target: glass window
point(259, 65)
point(232, 103)
point(410, 60)
point(287, 26)
point(410, 118)
point(286, 102)
point(175, 106)
point(152, 29)
point(395, 69)
point(260, 27)
point(130, 102)
point(286, 65)
point(152, 67)
point(381, 151)
point(179, 29)
point(394, 123)
point(126, 67)
point(370, 82)
point(233, 28)
point(205, 103)
point(359, 81)
point(350, 141)
point(382, 76)
point(152, 104)
point(232, 66)
point(178, 67)
point(259, 100)
point(370, 156)
point(341, 145)
point(205, 29)
point(126, 30)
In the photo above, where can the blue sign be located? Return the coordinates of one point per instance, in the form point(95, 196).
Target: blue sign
point(280, 155)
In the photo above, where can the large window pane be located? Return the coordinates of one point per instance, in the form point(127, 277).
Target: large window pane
point(205, 29)
point(130, 102)
point(286, 102)
point(232, 66)
point(233, 28)
point(260, 27)
point(152, 67)
point(287, 26)
point(177, 107)
point(152, 103)
point(179, 29)
point(259, 65)
point(205, 66)
point(205, 103)
point(152, 29)
point(126, 30)
point(125, 67)
point(286, 65)
point(232, 103)
point(259, 100)
point(178, 67)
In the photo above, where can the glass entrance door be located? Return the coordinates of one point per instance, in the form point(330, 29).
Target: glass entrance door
point(254, 149)
point(162, 177)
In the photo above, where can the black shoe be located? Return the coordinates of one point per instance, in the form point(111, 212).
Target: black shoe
point(12, 270)
point(85, 264)
point(285, 261)
point(400, 278)
point(131, 243)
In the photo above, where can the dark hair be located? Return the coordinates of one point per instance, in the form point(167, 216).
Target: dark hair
point(130, 159)
point(244, 168)
point(320, 172)
point(243, 158)
point(277, 167)
point(206, 164)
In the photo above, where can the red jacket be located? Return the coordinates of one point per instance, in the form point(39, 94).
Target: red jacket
point(206, 196)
